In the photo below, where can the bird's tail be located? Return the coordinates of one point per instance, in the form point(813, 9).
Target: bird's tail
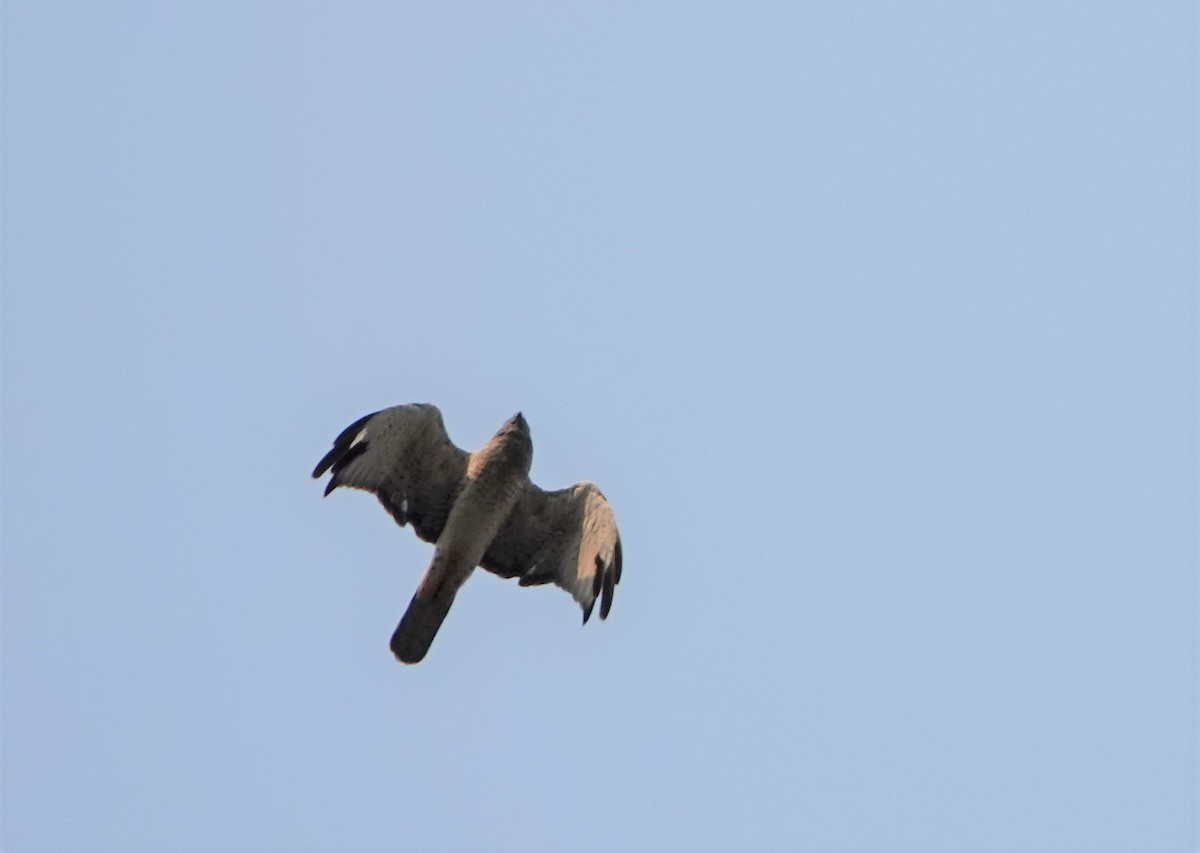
point(420, 623)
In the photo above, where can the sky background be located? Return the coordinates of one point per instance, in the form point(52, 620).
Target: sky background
point(875, 321)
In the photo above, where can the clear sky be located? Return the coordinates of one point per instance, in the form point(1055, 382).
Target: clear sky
point(875, 321)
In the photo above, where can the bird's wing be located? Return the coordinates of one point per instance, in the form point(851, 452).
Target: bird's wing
point(405, 458)
point(568, 537)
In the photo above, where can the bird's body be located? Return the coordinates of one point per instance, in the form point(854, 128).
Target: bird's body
point(479, 509)
point(495, 476)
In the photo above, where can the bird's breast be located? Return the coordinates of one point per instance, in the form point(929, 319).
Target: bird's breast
point(492, 487)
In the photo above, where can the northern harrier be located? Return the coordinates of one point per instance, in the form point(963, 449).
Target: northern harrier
point(480, 509)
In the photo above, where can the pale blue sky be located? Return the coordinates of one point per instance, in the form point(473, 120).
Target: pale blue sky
point(875, 321)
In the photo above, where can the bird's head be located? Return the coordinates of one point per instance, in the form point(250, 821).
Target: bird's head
point(514, 438)
point(516, 423)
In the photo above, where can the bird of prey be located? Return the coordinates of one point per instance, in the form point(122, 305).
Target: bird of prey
point(479, 509)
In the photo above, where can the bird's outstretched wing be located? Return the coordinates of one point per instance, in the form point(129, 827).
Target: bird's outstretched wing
point(404, 456)
point(568, 537)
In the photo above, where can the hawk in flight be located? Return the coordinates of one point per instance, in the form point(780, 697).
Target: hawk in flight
point(479, 509)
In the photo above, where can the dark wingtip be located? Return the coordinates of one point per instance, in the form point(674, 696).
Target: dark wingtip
point(617, 562)
point(326, 462)
point(330, 486)
point(597, 576)
point(587, 612)
point(342, 451)
point(607, 598)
